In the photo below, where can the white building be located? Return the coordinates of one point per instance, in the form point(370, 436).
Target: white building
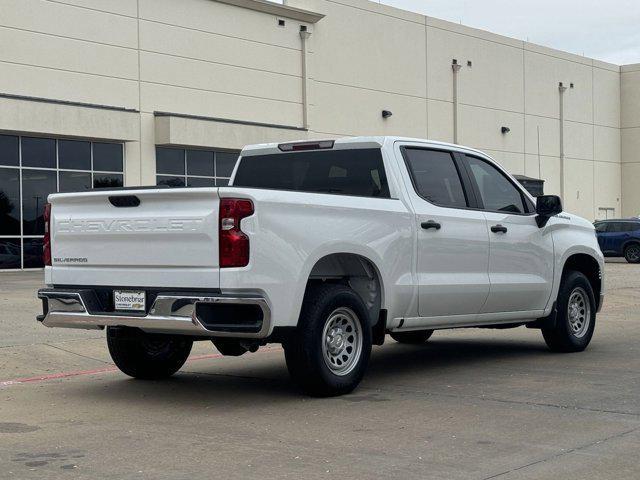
point(105, 92)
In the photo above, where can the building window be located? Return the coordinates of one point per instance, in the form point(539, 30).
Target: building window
point(33, 167)
point(179, 167)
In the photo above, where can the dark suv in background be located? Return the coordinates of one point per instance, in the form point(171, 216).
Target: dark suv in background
point(619, 238)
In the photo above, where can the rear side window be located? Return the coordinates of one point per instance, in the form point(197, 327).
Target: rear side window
point(600, 227)
point(619, 227)
point(345, 172)
point(632, 226)
point(435, 177)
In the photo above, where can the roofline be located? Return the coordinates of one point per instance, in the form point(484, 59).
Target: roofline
point(280, 10)
point(630, 219)
point(360, 141)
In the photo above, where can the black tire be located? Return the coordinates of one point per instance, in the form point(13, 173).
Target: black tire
point(564, 336)
point(416, 337)
point(632, 253)
point(307, 361)
point(145, 355)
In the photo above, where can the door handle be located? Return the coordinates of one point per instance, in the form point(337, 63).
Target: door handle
point(499, 229)
point(430, 224)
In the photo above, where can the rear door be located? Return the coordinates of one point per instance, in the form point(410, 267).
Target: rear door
point(146, 237)
point(521, 259)
point(624, 233)
point(452, 239)
point(601, 230)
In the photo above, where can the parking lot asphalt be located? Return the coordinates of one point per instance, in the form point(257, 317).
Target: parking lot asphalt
point(470, 404)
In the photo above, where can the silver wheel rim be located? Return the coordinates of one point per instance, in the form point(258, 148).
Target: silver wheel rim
point(341, 341)
point(579, 312)
point(633, 253)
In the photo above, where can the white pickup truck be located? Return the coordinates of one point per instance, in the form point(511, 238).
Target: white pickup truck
point(325, 247)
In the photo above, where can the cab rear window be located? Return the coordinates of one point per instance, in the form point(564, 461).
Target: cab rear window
point(343, 172)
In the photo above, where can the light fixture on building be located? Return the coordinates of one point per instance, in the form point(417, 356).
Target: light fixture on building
point(505, 130)
point(386, 113)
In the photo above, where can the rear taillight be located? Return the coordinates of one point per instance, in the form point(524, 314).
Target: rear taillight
point(234, 244)
point(46, 241)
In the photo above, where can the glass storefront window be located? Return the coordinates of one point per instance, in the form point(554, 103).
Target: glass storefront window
point(32, 252)
point(38, 152)
point(74, 155)
point(74, 181)
point(177, 167)
point(107, 180)
point(9, 201)
point(9, 253)
point(169, 161)
point(9, 150)
point(108, 157)
point(31, 168)
point(36, 187)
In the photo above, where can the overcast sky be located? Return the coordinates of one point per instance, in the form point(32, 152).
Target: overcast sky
point(608, 30)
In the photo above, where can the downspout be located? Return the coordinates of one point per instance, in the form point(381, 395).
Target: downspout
point(561, 89)
point(304, 36)
point(456, 68)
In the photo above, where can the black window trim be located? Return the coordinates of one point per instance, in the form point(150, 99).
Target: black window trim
point(476, 188)
point(465, 183)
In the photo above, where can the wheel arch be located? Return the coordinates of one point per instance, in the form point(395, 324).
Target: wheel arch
point(353, 269)
point(590, 268)
point(630, 242)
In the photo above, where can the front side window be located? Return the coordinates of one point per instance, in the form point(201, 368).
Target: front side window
point(498, 194)
point(600, 227)
point(435, 177)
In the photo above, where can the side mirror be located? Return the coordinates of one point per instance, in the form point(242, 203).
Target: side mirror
point(547, 206)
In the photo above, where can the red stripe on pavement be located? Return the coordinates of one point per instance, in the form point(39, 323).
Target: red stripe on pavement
point(112, 368)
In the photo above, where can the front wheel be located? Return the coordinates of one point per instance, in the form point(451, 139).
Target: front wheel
point(632, 253)
point(576, 315)
point(148, 356)
point(329, 352)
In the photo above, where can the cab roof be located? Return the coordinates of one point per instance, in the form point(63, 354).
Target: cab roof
point(346, 143)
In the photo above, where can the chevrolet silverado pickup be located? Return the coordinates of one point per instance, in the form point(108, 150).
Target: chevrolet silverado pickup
point(324, 247)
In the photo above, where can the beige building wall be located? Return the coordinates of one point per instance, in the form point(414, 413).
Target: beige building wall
point(207, 73)
point(630, 132)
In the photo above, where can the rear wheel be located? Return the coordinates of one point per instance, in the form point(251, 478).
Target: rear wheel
point(415, 338)
point(329, 352)
point(632, 253)
point(576, 315)
point(147, 356)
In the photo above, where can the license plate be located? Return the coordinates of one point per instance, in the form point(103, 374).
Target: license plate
point(129, 300)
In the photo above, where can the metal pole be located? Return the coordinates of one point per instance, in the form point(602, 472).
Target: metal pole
point(455, 66)
point(304, 35)
point(561, 89)
point(539, 161)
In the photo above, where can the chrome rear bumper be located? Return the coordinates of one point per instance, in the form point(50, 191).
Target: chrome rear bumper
point(169, 313)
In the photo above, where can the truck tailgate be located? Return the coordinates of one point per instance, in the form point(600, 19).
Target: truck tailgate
point(146, 237)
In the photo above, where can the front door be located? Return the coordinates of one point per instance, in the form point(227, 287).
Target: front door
point(520, 254)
